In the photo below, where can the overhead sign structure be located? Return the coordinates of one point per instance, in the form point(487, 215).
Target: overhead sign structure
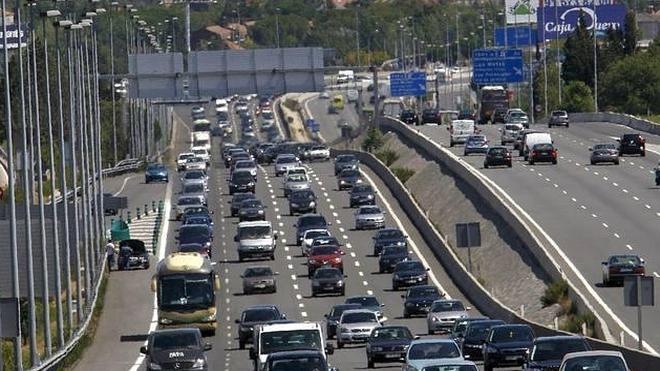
point(14, 37)
point(516, 36)
point(410, 84)
point(497, 66)
point(560, 22)
point(521, 11)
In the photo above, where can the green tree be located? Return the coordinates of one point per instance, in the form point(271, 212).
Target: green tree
point(579, 62)
point(577, 97)
point(630, 34)
point(553, 86)
point(632, 84)
point(611, 49)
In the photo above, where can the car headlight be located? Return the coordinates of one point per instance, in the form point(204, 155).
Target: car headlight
point(337, 260)
point(342, 181)
point(369, 196)
point(340, 283)
point(434, 319)
point(312, 204)
point(358, 181)
point(154, 366)
point(260, 211)
point(294, 205)
point(400, 243)
point(199, 363)
point(311, 262)
point(166, 321)
point(250, 184)
point(377, 349)
point(209, 318)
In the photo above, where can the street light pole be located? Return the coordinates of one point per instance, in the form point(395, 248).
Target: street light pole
point(277, 26)
point(595, 60)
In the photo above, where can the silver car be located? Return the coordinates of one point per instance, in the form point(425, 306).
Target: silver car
point(259, 279)
point(444, 313)
point(195, 189)
point(248, 165)
point(295, 182)
point(185, 202)
point(604, 152)
point(195, 163)
point(285, 162)
point(369, 216)
point(355, 326)
point(193, 176)
point(510, 133)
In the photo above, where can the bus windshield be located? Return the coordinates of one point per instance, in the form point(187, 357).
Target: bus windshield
point(186, 291)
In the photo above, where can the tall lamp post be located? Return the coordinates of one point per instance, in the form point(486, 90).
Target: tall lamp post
point(277, 26)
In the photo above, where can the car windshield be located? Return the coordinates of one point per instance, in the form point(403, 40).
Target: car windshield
point(254, 232)
point(450, 367)
point(434, 350)
point(325, 240)
point(365, 301)
point(349, 173)
point(476, 138)
point(302, 195)
point(385, 333)
point(311, 220)
point(345, 158)
point(362, 189)
point(193, 188)
point(625, 260)
point(174, 340)
point(241, 175)
point(422, 292)
point(327, 273)
point(447, 306)
point(296, 178)
point(198, 220)
point(186, 156)
point(191, 247)
point(512, 127)
point(194, 175)
point(155, 167)
point(358, 317)
point(267, 115)
point(604, 146)
point(543, 147)
point(240, 197)
point(517, 115)
point(314, 234)
point(282, 341)
point(511, 334)
point(595, 363)
point(497, 151)
point(189, 201)
point(369, 210)
point(395, 250)
point(260, 315)
point(245, 165)
point(559, 113)
point(324, 250)
point(479, 330)
point(258, 272)
point(556, 349)
point(389, 233)
point(311, 363)
point(409, 266)
point(251, 204)
point(193, 230)
point(286, 160)
point(628, 137)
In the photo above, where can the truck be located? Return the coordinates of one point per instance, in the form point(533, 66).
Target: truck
point(491, 98)
point(345, 76)
point(185, 284)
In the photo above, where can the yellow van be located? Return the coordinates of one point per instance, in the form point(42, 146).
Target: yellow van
point(337, 103)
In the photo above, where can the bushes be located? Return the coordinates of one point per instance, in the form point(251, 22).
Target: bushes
point(578, 97)
point(387, 156)
point(373, 140)
point(574, 323)
point(403, 173)
point(555, 293)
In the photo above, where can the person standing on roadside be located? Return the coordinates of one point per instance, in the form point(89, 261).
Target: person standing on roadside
point(110, 253)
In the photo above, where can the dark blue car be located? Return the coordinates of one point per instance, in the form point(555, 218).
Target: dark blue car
point(195, 233)
point(388, 344)
point(156, 173)
point(391, 256)
point(388, 237)
point(418, 299)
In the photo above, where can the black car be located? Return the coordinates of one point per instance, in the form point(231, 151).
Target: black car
point(172, 349)
point(409, 116)
point(409, 273)
point(362, 194)
point(474, 335)
point(345, 162)
point(332, 318)
point(194, 212)
point(250, 210)
point(498, 156)
point(241, 181)
point(199, 219)
point(388, 237)
point(507, 345)
point(328, 280)
point(234, 152)
point(430, 116)
point(388, 344)
point(301, 360)
point(391, 256)
point(195, 233)
point(302, 201)
point(498, 115)
point(632, 144)
point(418, 300)
point(457, 333)
point(543, 152)
point(308, 221)
point(348, 178)
point(253, 316)
point(132, 253)
point(237, 199)
point(548, 351)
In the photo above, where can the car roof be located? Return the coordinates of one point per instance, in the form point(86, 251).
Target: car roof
point(542, 339)
point(432, 341)
point(260, 306)
point(176, 331)
point(590, 353)
point(450, 362)
point(258, 223)
point(295, 354)
point(358, 310)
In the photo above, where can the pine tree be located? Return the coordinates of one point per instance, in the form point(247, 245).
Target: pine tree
point(579, 62)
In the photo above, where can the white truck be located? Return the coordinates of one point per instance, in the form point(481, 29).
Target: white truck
point(202, 139)
point(345, 76)
point(460, 130)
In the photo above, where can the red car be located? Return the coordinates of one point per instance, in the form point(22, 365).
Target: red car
point(325, 255)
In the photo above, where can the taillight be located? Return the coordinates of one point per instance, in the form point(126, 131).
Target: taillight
point(639, 270)
point(554, 153)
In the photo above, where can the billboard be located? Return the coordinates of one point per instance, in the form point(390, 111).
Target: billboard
point(560, 22)
point(13, 36)
point(521, 11)
point(516, 36)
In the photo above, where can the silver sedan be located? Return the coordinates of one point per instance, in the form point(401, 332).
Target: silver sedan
point(295, 182)
point(605, 152)
point(444, 313)
point(367, 217)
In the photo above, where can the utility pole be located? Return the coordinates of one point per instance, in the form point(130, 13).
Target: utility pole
point(187, 11)
point(595, 60)
point(357, 35)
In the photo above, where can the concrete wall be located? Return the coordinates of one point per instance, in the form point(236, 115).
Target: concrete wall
point(617, 118)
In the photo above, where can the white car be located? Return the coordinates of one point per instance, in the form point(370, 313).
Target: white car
point(284, 162)
point(182, 160)
point(195, 163)
point(355, 326)
point(309, 236)
point(203, 153)
point(248, 165)
point(319, 152)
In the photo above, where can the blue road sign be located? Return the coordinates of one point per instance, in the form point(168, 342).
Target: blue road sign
point(408, 84)
point(497, 66)
point(516, 36)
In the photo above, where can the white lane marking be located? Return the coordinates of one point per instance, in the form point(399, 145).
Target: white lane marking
point(369, 292)
point(625, 190)
point(656, 274)
point(361, 274)
point(123, 185)
point(413, 245)
point(647, 206)
point(304, 314)
point(605, 225)
point(365, 283)
point(635, 198)
point(629, 247)
point(357, 263)
point(617, 235)
point(594, 215)
point(341, 229)
point(295, 286)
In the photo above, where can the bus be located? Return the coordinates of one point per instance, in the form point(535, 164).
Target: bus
point(185, 285)
point(490, 98)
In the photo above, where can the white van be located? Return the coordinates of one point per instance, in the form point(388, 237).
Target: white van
point(460, 130)
point(276, 337)
point(255, 240)
point(534, 138)
point(202, 139)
